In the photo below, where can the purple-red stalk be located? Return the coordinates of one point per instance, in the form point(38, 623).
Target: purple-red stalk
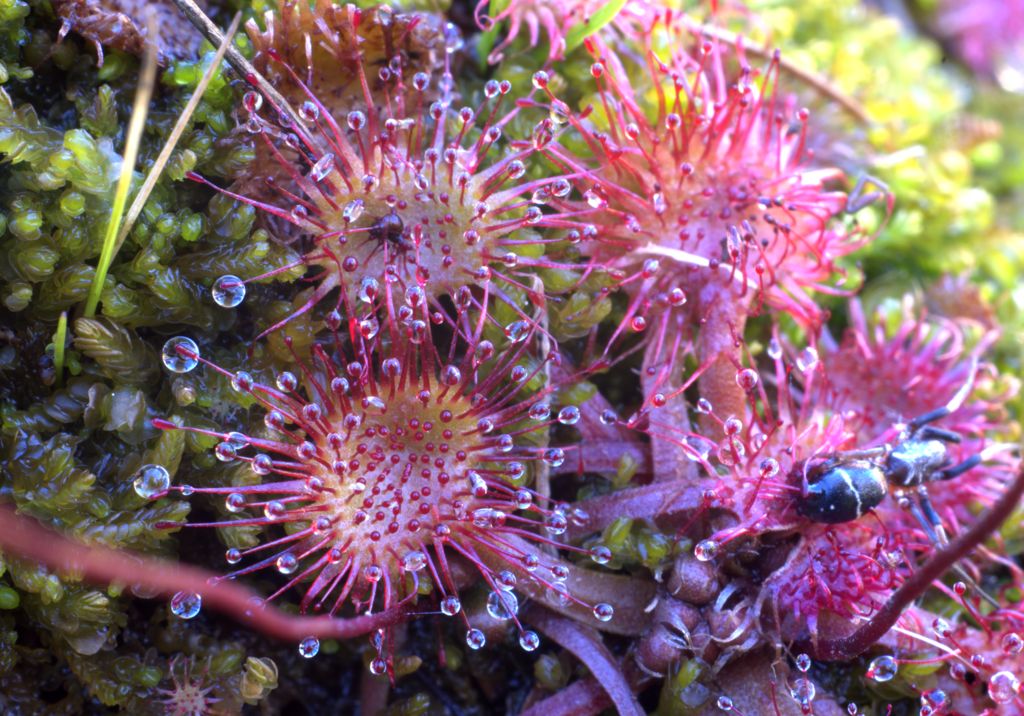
point(25, 538)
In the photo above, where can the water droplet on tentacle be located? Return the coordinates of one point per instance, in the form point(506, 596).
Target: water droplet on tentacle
point(180, 354)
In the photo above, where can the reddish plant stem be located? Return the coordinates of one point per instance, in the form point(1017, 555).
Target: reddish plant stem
point(604, 457)
point(373, 692)
point(584, 697)
point(669, 462)
point(586, 645)
point(667, 504)
point(849, 647)
point(725, 318)
point(591, 429)
point(24, 538)
point(629, 596)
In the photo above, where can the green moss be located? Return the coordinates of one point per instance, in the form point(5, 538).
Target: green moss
point(9, 598)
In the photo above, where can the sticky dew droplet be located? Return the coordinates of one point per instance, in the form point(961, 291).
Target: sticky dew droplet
point(451, 605)
point(186, 604)
point(151, 481)
point(502, 605)
point(934, 701)
point(705, 550)
point(228, 291)
point(1012, 643)
point(180, 354)
point(1003, 687)
point(286, 563)
point(747, 379)
point(309, 647)
point(506, 580)
point(882, 669)
point(803, 692)
point(414, 561)
point(569, 415)
point(529, 641)
point(556, 524)
point(475, 639)
point(807, 359)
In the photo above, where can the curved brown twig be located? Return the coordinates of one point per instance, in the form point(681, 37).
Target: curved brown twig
point(849, 647)
point(24, 538)
point(195, 15)
point(586, 645)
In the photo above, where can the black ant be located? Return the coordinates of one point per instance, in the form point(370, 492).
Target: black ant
point(390, 228)
point(848, 484)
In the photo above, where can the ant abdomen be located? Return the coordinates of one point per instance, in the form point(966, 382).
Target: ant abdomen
point(843, 492)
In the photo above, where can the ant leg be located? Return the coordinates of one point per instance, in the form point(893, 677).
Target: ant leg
point(954, 403)
point(929, 518)
point(930, 432)
point(930, 417)
point(859, 197)
point(950, 472)
point(932, 517)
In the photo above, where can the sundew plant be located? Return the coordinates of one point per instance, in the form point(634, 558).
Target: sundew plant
point(500, 356)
